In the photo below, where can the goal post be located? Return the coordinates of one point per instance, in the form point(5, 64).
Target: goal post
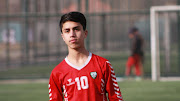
point(155, 50)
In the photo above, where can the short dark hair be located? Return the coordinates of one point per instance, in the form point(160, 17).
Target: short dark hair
point(133, 29)
point(73, 16)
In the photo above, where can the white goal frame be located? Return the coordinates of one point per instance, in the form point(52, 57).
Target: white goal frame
point(155, 57)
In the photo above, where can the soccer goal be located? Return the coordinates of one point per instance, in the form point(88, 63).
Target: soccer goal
point(165, 25)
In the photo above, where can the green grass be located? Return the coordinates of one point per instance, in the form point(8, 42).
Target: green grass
point(27, 72)
point(24, 92)
point(131, 91)
point(118, 61)
point(150, 91)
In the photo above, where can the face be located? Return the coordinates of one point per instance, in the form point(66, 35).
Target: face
point(131, 36)
point(73, 34)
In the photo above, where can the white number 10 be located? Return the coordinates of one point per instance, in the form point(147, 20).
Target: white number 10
point(82, 82)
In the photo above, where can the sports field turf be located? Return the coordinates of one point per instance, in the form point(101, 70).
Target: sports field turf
point(131, 91)
point(118, 60)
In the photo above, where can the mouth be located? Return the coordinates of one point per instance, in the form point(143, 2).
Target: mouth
point(73, 40)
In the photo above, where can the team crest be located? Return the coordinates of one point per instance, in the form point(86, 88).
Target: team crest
point(93, 74)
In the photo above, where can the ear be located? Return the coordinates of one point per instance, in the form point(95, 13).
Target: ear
point(86, 33)
point(62, 35)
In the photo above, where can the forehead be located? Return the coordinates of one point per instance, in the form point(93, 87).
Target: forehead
point(70, 24)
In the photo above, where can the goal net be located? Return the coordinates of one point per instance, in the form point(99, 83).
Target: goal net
point(165, 42)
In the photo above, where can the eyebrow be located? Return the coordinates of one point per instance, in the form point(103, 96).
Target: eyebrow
point(76, 27)
point(72, 28)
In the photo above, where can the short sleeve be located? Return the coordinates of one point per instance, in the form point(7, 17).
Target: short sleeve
point(55, 89)
point(112, 88)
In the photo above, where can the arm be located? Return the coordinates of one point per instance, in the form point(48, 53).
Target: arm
point(55, 91)
point(112, 88)
point(133, 46)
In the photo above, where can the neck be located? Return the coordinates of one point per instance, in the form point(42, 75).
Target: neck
point(76, 55)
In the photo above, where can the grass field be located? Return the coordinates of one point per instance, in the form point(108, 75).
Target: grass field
point(118, 60)
point(131, 91)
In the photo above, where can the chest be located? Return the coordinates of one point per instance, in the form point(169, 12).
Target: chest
point(88, 78)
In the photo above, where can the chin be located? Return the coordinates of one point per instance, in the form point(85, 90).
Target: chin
point(75, 47)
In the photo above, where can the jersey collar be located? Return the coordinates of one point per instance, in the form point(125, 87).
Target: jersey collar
point(79, 67)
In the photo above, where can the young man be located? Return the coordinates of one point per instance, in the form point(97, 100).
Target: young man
point(137, 53)
point(81, 76)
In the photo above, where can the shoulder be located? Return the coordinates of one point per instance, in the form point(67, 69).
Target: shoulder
point(101, 60)
point(102, 63)
point(60, 68)
point(139, 36)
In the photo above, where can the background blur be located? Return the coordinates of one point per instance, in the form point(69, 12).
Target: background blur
point(31, 44)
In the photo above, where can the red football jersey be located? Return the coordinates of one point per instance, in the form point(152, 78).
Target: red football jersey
point(89, 82)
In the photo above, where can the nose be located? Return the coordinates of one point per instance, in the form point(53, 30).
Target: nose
point(72, 33)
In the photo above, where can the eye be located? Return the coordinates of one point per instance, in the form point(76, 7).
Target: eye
point(77, 29)
point(66, 31)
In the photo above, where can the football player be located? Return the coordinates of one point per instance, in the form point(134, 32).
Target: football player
point(82, 75)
